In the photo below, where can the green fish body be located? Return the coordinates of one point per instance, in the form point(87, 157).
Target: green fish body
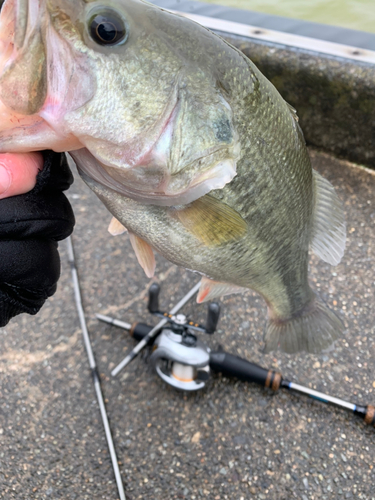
point(187, 144)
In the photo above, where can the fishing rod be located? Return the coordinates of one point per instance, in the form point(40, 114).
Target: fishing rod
point(94, 369)
point(231, 365)
point(185, 362)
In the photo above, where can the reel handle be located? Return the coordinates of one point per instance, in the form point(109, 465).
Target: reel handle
point(212, 317)
point(139, 330)
point(153, 298)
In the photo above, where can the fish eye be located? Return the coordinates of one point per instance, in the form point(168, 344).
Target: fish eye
point(108, 28)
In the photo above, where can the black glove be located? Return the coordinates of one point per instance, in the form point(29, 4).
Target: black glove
point(30, 226)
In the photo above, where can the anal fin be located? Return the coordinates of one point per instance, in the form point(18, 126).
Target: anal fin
point(211, 289)
point(115, 227)
point(144, 254)
point(329, 229)
point(212, 221)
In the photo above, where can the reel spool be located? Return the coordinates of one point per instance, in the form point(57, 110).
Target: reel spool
point(181, 361)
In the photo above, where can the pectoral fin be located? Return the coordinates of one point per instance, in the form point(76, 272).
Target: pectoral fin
point(144, 254)
point(212, 221)
point(115, 227)
point(210, 290)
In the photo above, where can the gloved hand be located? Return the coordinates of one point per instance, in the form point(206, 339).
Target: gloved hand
point(31, 224)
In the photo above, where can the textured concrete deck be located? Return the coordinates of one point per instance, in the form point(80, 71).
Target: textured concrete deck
point(232, 441)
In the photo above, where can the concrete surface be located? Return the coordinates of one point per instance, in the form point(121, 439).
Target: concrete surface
point(233, 440)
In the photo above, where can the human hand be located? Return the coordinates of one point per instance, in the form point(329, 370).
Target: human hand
point(34, 215)
point(18, 173)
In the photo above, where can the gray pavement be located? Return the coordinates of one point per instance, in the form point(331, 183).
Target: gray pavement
point(233, 440)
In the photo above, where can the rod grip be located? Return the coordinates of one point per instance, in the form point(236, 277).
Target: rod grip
point(370, 415)
point(139, 330)
point(234, 366)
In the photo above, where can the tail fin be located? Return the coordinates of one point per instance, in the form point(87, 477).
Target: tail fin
point(313, 330)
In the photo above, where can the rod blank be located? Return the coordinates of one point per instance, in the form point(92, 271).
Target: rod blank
point(94, 370)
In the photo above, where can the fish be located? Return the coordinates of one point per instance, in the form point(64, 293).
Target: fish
point(192, 150)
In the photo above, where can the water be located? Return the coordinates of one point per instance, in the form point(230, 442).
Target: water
point(354, 14)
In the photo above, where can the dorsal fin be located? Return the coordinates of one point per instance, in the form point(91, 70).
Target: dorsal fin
point(293, 112)
point(144, 254)
point(212, 221)
point(295, 121)
point(211, 289)
point(115, 227)
point(329, 230)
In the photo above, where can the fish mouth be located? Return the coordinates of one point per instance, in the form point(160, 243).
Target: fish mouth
point(26, 16)
point(36, 88)
point(23, 59)
point(17, 18)
point(21, 19)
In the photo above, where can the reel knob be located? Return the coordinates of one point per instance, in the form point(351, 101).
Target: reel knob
point(153, 298)
point(212, 317)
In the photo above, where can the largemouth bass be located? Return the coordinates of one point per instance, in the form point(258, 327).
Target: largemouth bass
point(188, 145)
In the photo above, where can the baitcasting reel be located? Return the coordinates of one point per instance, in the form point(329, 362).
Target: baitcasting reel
point(179, 357)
